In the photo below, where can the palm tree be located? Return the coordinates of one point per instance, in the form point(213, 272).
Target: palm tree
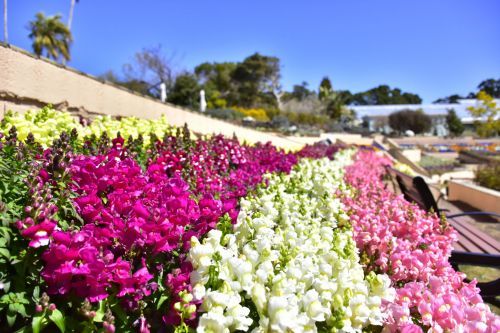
point(49, 34)
point(5, 33)
point(71, 9)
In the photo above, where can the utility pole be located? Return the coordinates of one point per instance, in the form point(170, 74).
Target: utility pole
point(5, 32)
point(70, 18)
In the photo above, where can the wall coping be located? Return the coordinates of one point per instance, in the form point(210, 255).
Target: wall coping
point(476, 187)
point(90, 76)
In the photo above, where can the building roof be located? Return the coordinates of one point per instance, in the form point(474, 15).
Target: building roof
point(430, 109)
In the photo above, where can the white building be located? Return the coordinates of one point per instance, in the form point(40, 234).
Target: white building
point(376, 116)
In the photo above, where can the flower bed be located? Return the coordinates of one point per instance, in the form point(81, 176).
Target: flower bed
point(290, 264)
point(412, 247)
point(148, 235)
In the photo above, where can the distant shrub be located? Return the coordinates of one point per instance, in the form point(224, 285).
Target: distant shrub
point(404, 120)
point(489, 176)
point(258, 114)
point(225, 114)
point(307, 118)
point(216, 102)
point(280, 121)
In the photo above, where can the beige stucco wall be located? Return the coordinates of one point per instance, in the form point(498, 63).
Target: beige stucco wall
point(484, 199)
point(28, 82)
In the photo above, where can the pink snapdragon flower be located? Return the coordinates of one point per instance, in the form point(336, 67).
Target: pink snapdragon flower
point(413, 247)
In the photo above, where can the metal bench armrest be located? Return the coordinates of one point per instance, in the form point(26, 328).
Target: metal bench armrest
point(477, 259)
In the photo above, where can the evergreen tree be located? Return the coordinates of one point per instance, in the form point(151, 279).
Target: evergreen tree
point(454, 123)
point(325, 88)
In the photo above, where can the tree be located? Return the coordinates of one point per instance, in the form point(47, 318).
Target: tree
point(383, 95)
point(70, 16)
point(335, 105)
point(490, 87)
point(325, 88)
point(151, 66)
point(5, 31)
point(404, 120)
point(300, 92)
point(452, 99)
point(256, 80)
point(216, 80)
point(488, 110)
point(51, 36)
point(454, 123)
point(252, 83)
point(186, 91)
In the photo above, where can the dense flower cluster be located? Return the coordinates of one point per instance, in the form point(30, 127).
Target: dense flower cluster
point(319, 150)
point(47, 124)
point(412, 247)
point(162, 232)
point(133, 225)
point(292, 256)
point(126, 126)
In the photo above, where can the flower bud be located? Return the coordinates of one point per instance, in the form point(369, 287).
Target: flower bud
point(178, 306)
point(191, 309)
point(187, 297)
point(110, 328)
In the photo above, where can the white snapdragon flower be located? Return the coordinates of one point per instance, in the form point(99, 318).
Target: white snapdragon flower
point(213, 321)
point(283, 314)
point(199, 291)
point(289, 257)
point(239, 319)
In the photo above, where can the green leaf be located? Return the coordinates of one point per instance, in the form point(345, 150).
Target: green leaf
point(36, 294)
point(5, 252)
point(99, 314)
point(18, 308)
point(3, 242)
point(57, 318)
point(39, 322)
point(162, 299)
point(11, 316)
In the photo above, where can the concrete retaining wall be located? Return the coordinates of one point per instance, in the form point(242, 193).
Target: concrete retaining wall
point(482, 198)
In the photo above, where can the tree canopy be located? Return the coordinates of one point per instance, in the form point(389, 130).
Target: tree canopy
point(185, 91)
point(404, 120)
point(448, 100)
point(490, 87)
point(325, 88)
point(50, 37)
point(454, 123)
point(299, 92)
point(256, 81)
point(488, 110)
point(383, 95)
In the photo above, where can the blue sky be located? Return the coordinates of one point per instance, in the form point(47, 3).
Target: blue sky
point(431, 47)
